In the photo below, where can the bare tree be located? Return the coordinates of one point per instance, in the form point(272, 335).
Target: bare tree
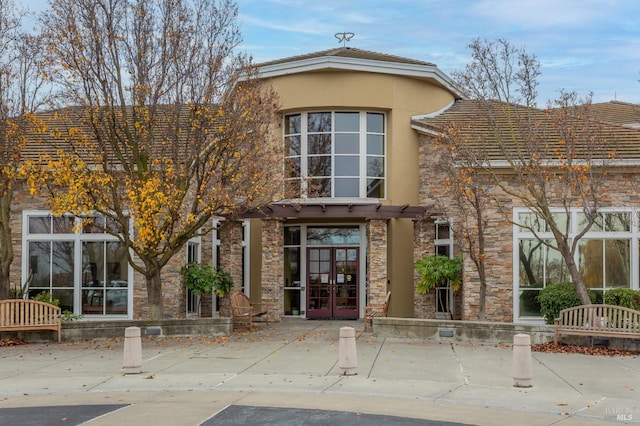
point(464, 183)
point(173, 126)
point(547, 159)
point(20, 81)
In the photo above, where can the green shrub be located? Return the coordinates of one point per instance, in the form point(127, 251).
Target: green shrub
point(204, 279)
point(45, 296)
point(623, 297)
point(556, 297)
point(436, 270)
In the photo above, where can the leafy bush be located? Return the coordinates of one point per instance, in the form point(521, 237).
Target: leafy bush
point(556, 297)
point(201, 278)
point(45, 296)
point(436, 270)
point(623, 297)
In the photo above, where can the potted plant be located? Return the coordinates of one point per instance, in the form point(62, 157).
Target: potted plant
point(205, 279)
point(437, 270)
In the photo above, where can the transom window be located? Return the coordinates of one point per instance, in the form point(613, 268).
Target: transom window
point(335, 154)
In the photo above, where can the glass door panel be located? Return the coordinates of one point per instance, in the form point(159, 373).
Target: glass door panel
point(332, 283)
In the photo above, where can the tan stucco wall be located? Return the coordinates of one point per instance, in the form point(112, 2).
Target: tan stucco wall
point(400, 98)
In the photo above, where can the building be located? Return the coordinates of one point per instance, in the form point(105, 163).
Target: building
point(357, 129)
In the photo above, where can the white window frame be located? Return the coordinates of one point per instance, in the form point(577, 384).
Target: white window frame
point(77, 238)
point(519, 234)
point(363, 154)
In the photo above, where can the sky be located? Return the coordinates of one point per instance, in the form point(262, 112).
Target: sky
point(587, 46)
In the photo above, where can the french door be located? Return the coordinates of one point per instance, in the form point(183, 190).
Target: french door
point(332, 277)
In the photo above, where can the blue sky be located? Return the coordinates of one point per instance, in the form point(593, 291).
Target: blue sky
point(583, 45)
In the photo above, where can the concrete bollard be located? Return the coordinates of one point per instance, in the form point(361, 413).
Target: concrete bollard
point(522, 364)
point(347, 358)
point(132, 359)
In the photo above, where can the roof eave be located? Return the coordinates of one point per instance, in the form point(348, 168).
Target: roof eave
point(364, 65)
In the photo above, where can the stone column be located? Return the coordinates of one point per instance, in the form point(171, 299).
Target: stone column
point(377, 260)
point(423, 243)
point(272, 270)
point(230, 233)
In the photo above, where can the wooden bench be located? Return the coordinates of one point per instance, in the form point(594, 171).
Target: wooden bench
point(29, 315)
point(372, 311)
point(243, 311)
point(598, 320)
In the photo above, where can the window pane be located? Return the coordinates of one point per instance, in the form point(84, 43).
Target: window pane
point(375, 122)
point(93, 225)
point(375, 188)
point(292, 266)
point(292, 167)
point(63, 225)
point(617, 263)
point(292, 235)
point(530, 222)
point(65, 297)
point(39, 263)
point(116, 257)
point(375, 167)
point(347, 143)
point(347, 121)
point(319, 166)
point(39, 224)
point(116, 302)
point(319, 144)
point(347, 166)
point(582, 223)
point(531, 261)
point(529, 306)
point(347, 187)
point(319, 188)
point(293, 188)
point(375, 144)
point(292, 124)
point(320, 235)
point(319, 122)
point(561, 220)
point(555, 267)
point(93, 264)
point(590, 262)
point(617, 222)
point(292, 145)
point(62, 264)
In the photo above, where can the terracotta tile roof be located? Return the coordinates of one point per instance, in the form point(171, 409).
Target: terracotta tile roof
point(473, 121)
point(59, 122)
point(618, 113)
point(348, 52)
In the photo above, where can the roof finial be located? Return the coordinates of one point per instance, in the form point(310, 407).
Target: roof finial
point(344, 37)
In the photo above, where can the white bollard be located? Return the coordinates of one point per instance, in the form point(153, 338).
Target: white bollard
point(132, 359)
point(522, 364)
point(347, 358)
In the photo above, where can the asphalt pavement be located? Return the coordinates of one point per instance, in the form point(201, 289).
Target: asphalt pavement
point(289, 374)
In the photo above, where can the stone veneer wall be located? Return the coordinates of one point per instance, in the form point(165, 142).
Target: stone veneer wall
point(377, 260)
point(424, 305)
point(230, 233)
point(620, 189)
point(272, 266)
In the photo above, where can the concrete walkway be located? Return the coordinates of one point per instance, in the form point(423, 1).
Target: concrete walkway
point(294, 364)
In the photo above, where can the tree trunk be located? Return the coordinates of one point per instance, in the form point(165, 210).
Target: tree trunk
point(576, 277)
point(154, 295)
point(483, 292)
point(6, 244)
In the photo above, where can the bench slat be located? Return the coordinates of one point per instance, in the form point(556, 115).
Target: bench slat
point(27, 315)
point(598, 320)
